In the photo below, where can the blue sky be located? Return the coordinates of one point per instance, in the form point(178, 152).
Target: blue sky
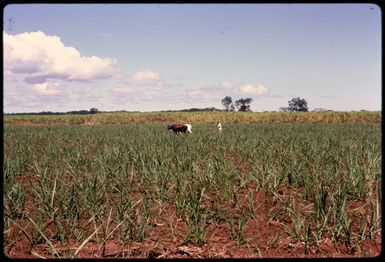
point(150, 57)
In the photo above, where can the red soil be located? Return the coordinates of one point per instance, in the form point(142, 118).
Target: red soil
point(262, 237)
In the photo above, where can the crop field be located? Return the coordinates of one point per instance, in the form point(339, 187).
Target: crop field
point(140, 191)
point(195, 117)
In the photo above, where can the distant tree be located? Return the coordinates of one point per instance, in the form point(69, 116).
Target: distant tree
point(80, 112)
point(319, 110)
point(243, 104)
point(298, 105)
point(227, 102)
point(283, 109)
point(93, 110)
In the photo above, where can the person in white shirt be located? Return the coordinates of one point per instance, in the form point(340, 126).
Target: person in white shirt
point(219, 127)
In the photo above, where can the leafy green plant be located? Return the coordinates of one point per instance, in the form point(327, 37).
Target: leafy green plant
point(83, 183)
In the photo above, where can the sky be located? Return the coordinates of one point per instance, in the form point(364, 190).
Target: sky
point(153, 57)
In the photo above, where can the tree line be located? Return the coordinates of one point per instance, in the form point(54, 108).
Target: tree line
point(79, 112)
point(296, 104)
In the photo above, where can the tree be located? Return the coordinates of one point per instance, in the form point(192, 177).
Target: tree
point(93, 110)
point(244, 104)
point(227, 102)
point(298, 105)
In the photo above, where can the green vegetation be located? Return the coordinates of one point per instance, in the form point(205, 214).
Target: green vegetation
point(76, 184)
point(196, 117)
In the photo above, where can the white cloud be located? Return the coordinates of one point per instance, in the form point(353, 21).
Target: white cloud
point(143, 86)
point(198, 93)
point(195, 92)
point(253, 89)
point(146, 77)
point(148, 86)
point(143, 82)
point(39, 57)
point(226, 88)
point(47, 89)
point(226, 85)
point(9, 77)
point(123, 88)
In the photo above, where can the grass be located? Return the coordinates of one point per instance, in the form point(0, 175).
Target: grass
point(196, 117)
point(82, 184)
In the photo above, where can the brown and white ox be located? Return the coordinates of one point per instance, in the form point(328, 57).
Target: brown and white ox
point(180, 128)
